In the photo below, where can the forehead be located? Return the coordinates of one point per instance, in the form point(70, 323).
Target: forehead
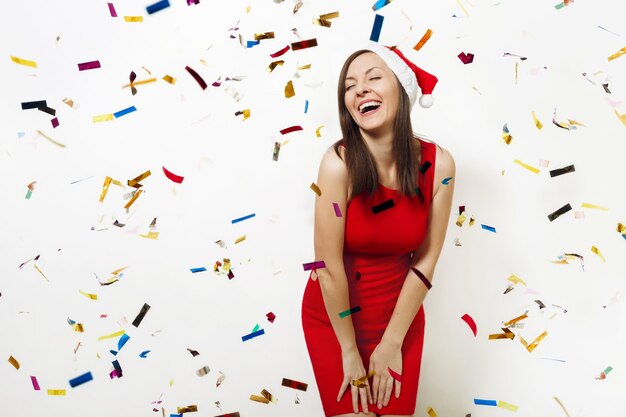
point(364, 62)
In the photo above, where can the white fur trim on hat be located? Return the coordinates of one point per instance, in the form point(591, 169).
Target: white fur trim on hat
point(400, 68)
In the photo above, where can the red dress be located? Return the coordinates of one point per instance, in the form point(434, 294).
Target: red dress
point(377, 257)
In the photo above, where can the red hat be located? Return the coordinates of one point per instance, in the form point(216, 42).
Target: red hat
point(410, 75)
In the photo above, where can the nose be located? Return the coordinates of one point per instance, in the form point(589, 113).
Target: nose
point(361, 88)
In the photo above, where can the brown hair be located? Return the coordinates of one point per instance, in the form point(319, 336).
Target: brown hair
point(359, 160)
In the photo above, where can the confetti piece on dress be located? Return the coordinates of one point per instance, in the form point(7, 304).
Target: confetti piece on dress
point(197, 77)
point(337, 210)
point(431, 412)
point(173, 177)
point(507, 406)
point(383, 206)
point(470, 322)
point(317, 131)
point(203, 371)
point(112, 335)
point(141, 315)
point(14, 362)
point(35, 383)
point(617, 54)
point(290, 129)
point(537, 122)
point(316, 189)
point(290, 383)
point(56, 392)
point(423, 40)
point(252, 335)
point(112, 10)
point(479, 401)
point(489, 228)
point(271, 317)
point(446, 181)
point(89, 65)
point(25, 62)
point(349, 312)
point(377, 27)
point(240, 219)
point(90, 296)
point(160, 5)
point(309, 43)
point(554, 215)
point(187, 409)
point(528, 167)
point(594, 206)
point(86, 377)
point(561, 171)
point(314, 265)
point(597, 252)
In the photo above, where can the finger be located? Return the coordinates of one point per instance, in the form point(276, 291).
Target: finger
point(363, 393)
point(369, 394)
point(398, 385)
point(355, 399)
point(344, 385)
point(381, 390)
point(375, 384)
point(388, 390)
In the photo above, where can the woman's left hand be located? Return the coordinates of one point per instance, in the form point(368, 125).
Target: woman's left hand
point(384, 357)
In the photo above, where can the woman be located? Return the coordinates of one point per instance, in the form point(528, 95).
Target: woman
point(380, 223)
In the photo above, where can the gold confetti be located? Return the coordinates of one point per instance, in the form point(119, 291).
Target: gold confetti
point(424, 39)
point(91, 296)
point(593, 206)
point(42, 274)
point(537, 122)
point(506, 335)
point(597, 252)
point(303, 67)
point(137, 19)
point(322, 22)
point(135, 182)
point(317, 131)
point(515, 279)
point(187, 409)
point(515, 320)
point(240, 239)
point(562, 406)
point(56, 392)
point(112, 335)
point(259, 399)
point(289, 91)
point(23, 61)
point(507, 406)
point(533, 345)
point(50, 139)
point(151, 235)
point(261, 36)
point(69, 102)
point(472, 220)
point(315, 188)
point(274, 64)
point(146, 81)
point(133, 199)
point(103, 118)
point(528, 167)
point(14, 362)
point(461, 219)
point(622, 117)
point(617, 54)
point(431, 412)
point(329, 16)
point(169, 79)
point(621, 228)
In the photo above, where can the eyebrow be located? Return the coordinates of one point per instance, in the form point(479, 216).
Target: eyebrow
point(366, 72)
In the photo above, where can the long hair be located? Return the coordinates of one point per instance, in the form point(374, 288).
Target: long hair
point(359, 160)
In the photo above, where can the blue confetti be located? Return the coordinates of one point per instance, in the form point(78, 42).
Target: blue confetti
point(446, 181)
point(478, 401)
point(249, 216)
point(250, 44)
point(306, 105)
point(124, 112)
point(81, 379)
point(491, 229)
point(378, 25)
point(380, 4)
point(201, 269)
point(144, 354)
point(160, 5)
point(253, 334)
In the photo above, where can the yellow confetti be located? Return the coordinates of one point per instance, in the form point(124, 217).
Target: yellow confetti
point(516, 71)
point(112, 335)
point(105, 188)
point(424, 39)
point(187, 409)
point(515, 320)
point(42, 274)
point(50, 139)
point(23, 61)
point(78, 327)
point(240, 239)
point(621, 228)
point(14, 362)
point(169, 79)
point(622, 117)
point(315, 188)
point(261, 36)
point(103, 118)
point(597, 252)
point(92, 296)
point(431, 412)
point(274, 64)
point(132, 200)
point(461, 219)
point(533, 345)
point(515, 279)
point(303, 67)
point(528, 167)
point(135, 182)
point(617, 54)
point(506, 335)
point(507, 406)
point(537, 122)
point(248, 8)
point(146, 81)
point(322, 22)
point(463, 8)
point(171, 382)
point(594, 206)
point(259, 399)
point(137, 19)
point(56, 392)
point(151, 235)
point(289, 91)
point(472, 220)
point(317, 131)
point(562, 406)
point(329, 16)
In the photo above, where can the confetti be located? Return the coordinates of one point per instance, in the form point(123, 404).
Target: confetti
point(317, 131)
point(133, 19)
point(337, 210)
point(466, 58)
point(194, 353)
point(349, 312)
point(530, 347)
point(309, 43)
point(112, 10)
point(144, 354)
point(55, 123)
point(141, 315)
point(478, 401)
point(173, 177)
point(236, 414)
point(377, 27)
point(604, 373)
point(240, 239)
point(593, 206)
point(554, 215)
point(290, 129)
point(562, 406)
point(516, 319)
point(506, 335)
point(446, 181)
point(203, 371)
point(461, 219)
point(431, 412)
point(240, 219)
point(617, 54)
point(153, 8)
point(86, 377)
point(220, 379)
point(252, 335)
point(127, 110)
point(489, 228)
point(561, 171)
point(102, 118)
point(90, 296)
point(112, 335)
point(56, 392)
point(169, 79)
point(281, 52)
point(316, 189)
point(14, 362)
point(200, 269)
point(528, 167)
point(35, 383)
point(197, 77)
point(383, 206)
point(133, 199)
point(259, 399)
point(394, 374)
point(41, 272)
point(89, 65)
point(423, 40)
point(289, 90)
point(507, 406)
point(470, 322)
point(597, 252)
point(380, 4)
point(314, 265)
point(290, 383)
point(537, 122)
point(25, 62)
point(506, 137)
point(187, 409)
point(271, 317)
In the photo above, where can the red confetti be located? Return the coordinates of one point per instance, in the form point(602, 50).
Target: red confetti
point(281, 52)
point(196, 76)
point(290, 129)
point(271, 317)
point(55, 122)
point(470, 322)
point(309, 43)
point(176, 178)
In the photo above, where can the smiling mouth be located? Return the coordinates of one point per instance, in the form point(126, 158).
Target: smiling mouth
point(369, 107)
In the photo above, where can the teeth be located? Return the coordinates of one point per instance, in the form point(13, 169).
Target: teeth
point(368, 104)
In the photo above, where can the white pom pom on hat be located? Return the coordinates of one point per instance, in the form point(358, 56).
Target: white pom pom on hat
point(410, 75)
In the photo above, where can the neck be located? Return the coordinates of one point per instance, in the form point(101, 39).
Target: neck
point(381, 147)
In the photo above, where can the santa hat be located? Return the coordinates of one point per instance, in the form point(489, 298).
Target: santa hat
point(410, 75)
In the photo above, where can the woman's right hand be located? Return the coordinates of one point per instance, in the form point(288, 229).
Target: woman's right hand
point(353, 369)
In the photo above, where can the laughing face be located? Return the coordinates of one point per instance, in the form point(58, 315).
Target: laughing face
point(371, 93)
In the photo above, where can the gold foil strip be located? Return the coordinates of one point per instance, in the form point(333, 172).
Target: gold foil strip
point(41, 272)
point(187, 409)
point(259, 399)
point(424, 39)
point(274, 64)
point(530, 347)
point(329, 16)
point(594, 206)
point(22, 61)
point(528, 167)
point(516, 280)
point(461, 219)
point(132, 200)
point(151, 235)
point(169, 79)
point(537, 122)
point(265, 393)
point(240, 239)
point(112, 335)
point(134, 19)
point(506, 335)
point(431, 412)
point(135, 182)
point(617, 54)
point(597, 252)
point(14, 362)
point(289, 91)
point(103, 118)
point(316, 189)
point(146, 81)
point(261, 36)
point(516, 319)
point(91, 296)
point(56, 392)
point(50, 139)
point(322, 22)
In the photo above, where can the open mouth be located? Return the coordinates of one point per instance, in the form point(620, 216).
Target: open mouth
point(369, 107)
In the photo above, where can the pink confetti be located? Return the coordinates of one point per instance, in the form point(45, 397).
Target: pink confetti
point(33, 379)
point(88, 65)
point(55, 122)
point(337, 209)
point(112, 10)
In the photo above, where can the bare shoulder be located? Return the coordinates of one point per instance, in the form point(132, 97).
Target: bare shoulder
point(333, 173)
point(445, 167)
point(332, 163)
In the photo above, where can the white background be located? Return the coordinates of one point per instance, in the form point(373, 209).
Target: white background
point(229, 173)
